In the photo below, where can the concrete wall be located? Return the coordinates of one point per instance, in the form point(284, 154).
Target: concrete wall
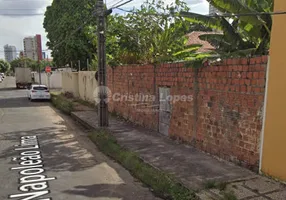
point(70, 82)
point(274, 148)
point(55, 79)
point(81, 84)
point(223, 116)
point(87, 84)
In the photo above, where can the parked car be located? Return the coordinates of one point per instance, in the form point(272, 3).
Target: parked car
point(40, 92)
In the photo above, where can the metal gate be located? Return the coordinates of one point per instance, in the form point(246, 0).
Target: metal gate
point(164, 110)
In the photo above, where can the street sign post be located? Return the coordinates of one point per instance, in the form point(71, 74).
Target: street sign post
point(48, 73)
point(48, 69)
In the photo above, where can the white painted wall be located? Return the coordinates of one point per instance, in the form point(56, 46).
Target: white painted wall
point(55, 79)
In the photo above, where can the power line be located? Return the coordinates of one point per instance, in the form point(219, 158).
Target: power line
point(117, 6)
point(117, 3)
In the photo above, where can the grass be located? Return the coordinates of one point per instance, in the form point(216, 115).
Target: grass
point(85, 103)
point(227, 195)
point(162, 184)
point(62, 103)
point(67, 103)
point(211, 184)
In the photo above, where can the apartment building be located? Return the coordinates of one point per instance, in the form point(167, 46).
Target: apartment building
point(33, 47)
point(10, 53)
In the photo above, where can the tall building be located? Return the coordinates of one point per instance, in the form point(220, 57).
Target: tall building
point(10, 53)
point(33, 47)
point(213, 10)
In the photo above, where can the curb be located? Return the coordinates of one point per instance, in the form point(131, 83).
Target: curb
point(82, 122)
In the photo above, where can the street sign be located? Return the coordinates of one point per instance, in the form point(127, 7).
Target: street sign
point(48, 69)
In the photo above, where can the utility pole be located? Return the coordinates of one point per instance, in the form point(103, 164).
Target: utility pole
point(102, 106)
point(87, 64)
point(79, 65)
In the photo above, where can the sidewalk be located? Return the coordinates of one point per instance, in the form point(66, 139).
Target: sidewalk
point(194, 169)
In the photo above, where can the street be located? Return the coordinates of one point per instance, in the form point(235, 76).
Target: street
point(46, 155)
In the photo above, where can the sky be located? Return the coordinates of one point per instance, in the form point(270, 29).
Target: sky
point(17, 19)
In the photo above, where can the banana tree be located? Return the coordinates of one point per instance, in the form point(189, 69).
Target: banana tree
point(238, 33)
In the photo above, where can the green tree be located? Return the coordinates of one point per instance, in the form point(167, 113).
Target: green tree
point(24, 62)
point(239, 35)
point(146, 35)
point(4, 66)
point(45, 63)
point(64, 22)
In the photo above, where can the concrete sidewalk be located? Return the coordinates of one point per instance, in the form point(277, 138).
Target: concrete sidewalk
point(192, 168)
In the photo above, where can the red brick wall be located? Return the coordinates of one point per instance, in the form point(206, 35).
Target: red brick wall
point(225, 116)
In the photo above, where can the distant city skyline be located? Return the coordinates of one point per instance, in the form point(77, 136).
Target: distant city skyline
point(10, 53)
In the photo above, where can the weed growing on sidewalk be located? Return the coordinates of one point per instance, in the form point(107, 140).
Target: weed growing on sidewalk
point(161, 184)
point(61, 103)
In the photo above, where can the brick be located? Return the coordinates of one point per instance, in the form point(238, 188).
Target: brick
point(243, 89)
point(229, 62)
point(252, 61)
point(244, 61)
point(262, 75)
point(264, 59)
point(257, 90)
point(254, 82)
point(261, 82)
point(245, 68)
point(256, 75)
point(249, 75)
point(258, 60)
point(240, 68)
point(235, 68)
point(243, 75)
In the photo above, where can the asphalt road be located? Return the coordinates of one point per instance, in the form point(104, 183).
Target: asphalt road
point(45, 155)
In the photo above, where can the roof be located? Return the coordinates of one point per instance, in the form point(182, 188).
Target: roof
point(194, 39)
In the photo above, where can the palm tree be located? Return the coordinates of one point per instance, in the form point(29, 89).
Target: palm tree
point(243, 29)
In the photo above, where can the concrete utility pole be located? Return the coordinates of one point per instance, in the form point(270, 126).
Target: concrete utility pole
point(79, 65)
point(87, 64)
point(102, 106)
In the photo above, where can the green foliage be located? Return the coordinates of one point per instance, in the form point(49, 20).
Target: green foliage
point(62, 103)
point(65, 22)
point(4, 66)
point(45, 63)
point(142, 36)
point(162, 184)
point(25, 62)
point(237, 35)
point(145, 36)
